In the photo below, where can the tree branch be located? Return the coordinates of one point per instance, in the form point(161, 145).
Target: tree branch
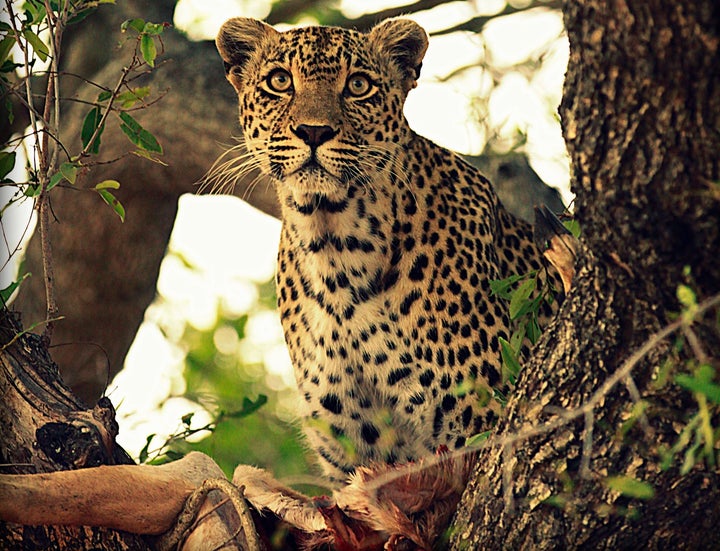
point(477, 24)
point(289, 11)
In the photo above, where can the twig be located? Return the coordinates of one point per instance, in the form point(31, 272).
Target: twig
point(694, 342)
point(103, 118)
point(43, 200)
point(635, 395)
point(587, 444)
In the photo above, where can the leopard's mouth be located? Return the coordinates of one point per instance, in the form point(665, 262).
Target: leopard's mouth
point(311, 180)
point(313, 172)
point(312, 165)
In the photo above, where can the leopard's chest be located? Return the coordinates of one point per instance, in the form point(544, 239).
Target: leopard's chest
point(361, 381)
point(387, 354)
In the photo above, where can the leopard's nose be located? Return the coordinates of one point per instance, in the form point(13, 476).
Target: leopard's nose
point(314, 136)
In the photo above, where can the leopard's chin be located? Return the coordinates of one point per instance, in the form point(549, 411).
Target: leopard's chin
point(311, 181)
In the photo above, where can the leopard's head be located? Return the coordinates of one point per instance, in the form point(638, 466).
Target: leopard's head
point(321, 107)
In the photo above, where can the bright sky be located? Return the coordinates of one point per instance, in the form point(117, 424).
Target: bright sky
point(442, 109)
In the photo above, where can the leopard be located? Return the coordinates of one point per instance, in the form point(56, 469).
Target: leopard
point(388, 247)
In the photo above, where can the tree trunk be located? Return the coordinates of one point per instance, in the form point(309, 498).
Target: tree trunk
point(45, 429)
point(640, 115)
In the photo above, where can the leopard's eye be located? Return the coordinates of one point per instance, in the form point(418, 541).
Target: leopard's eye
point(358, 85)
point(279, 80)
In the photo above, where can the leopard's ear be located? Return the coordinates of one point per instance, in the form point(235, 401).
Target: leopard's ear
point(237, 40)
point(405, 42)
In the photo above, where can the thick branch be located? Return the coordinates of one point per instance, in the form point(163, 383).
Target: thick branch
point(477, 24)
point(134, 498)
point(288, 11)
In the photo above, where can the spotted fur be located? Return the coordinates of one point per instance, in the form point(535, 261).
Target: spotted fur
point(388, 246)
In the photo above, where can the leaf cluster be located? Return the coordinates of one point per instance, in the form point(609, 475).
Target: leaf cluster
point(698, 439)
point(526, 295)
point(30, 49)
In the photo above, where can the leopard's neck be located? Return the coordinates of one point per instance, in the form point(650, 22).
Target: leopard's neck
point(350, 239)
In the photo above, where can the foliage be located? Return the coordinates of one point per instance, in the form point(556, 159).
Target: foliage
point(526, 298)
point(525, 302)
point(699, 438)
point(687, 368)
point(30, 49)
point(242, 427)
point(226, 374)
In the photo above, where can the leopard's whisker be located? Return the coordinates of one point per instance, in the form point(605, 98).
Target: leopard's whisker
point(231, 167)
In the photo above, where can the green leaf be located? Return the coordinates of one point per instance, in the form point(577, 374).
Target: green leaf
point(510, 361)
point(145, 451)
point(34, 12)
point(154, 28)
point(148, 49)
point(69, 172)
point(111, 200)
point(8, 67)
point(637, 411)
point(478, 438)
point(80, 15)
point(532, 328)
point(104, 96)
point(630, 487)
point(149, 156)
point(686, 296)
point(55, 179)
point(9, 107)
point(519, 297)
point(131, 97)
point(7, 163)
point(690, 457)
point(516, 339)
point(88, 7)
point(90, 124)
point(31, 190)
point(248, 407)
point(138, 135)
point(7, 292)
point(135, 24)
point(168, 457)
point(501, 287)
point(108, 184)
point(41, 50)
point(5, 46)
point(573, 226)
point(700, 383)
point(556, 501)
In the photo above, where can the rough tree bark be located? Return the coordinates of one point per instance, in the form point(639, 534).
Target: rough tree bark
point(115, 505)
point(640, 115)
point(46, 429)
